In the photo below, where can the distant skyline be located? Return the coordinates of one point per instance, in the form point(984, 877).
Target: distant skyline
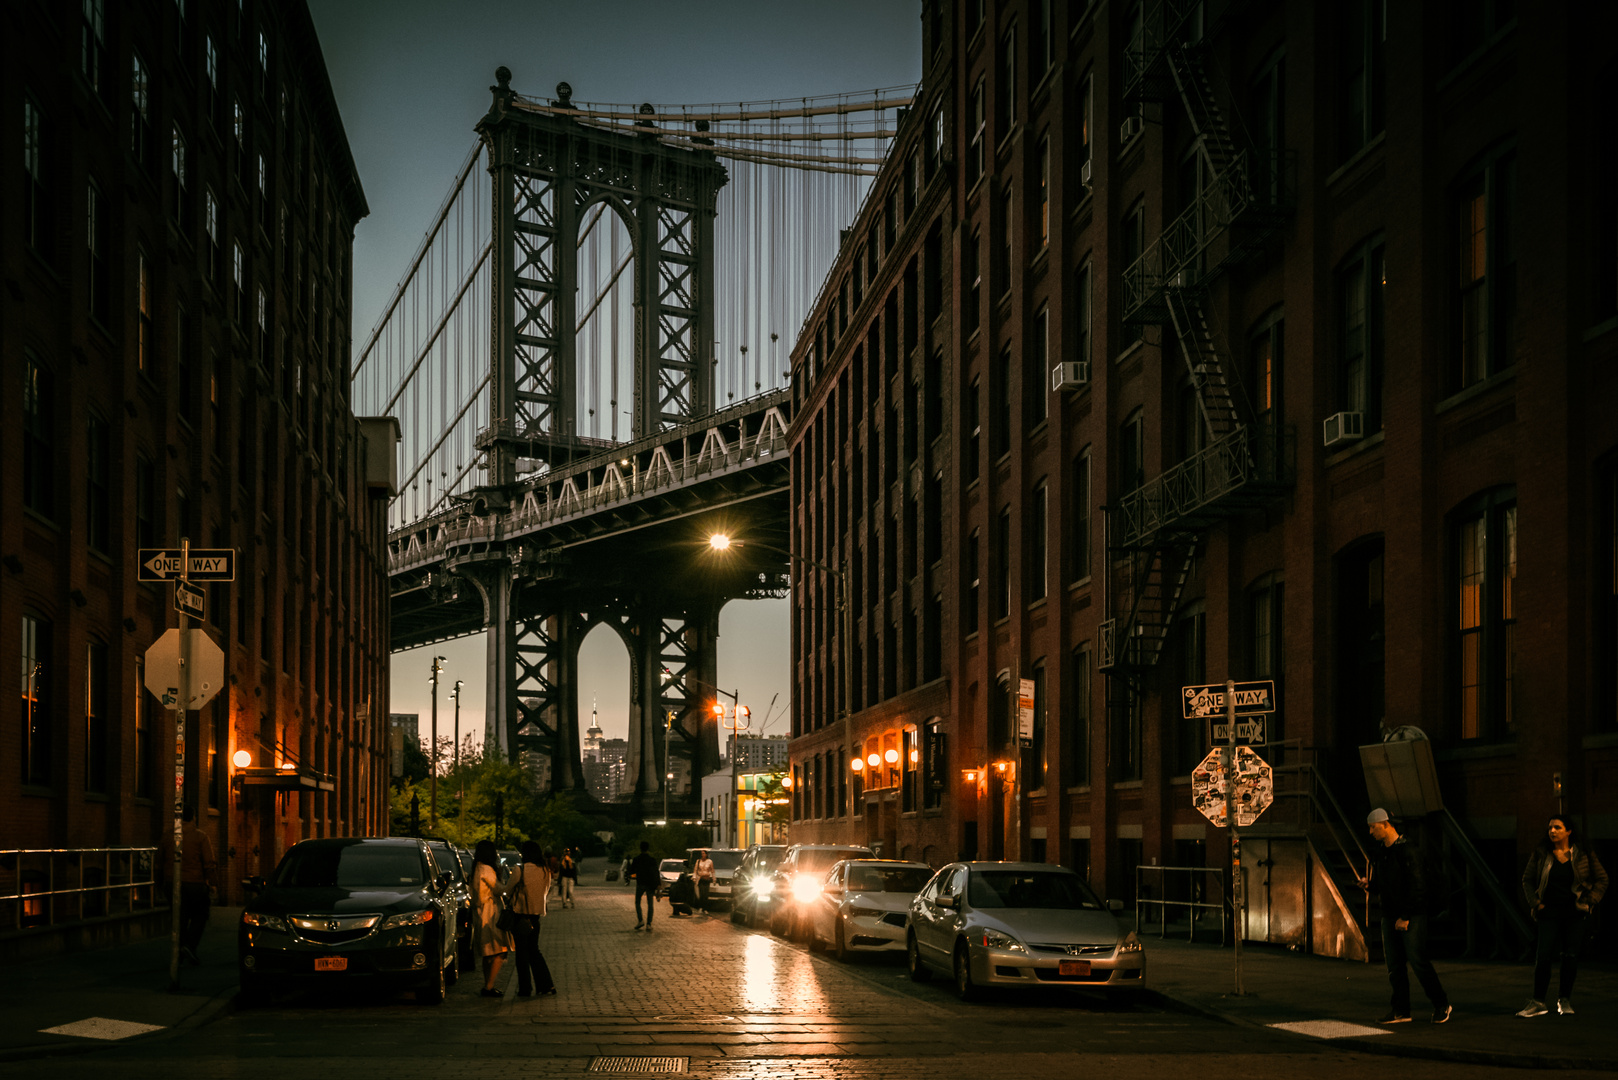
point(411, 79)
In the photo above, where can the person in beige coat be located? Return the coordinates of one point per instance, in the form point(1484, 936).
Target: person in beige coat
point(488, 940)
point(529, 887)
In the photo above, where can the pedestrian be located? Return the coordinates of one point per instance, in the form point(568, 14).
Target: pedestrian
point(703, 872)
point(1563, 882)
point(643, 868)
point(531, 885)
point(489, 941)
point(554, 864)
point(1396, 874)
point(570, 876)
point(196, 882)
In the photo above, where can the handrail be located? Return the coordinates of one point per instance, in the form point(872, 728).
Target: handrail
point(1504, 904)
point(32, 908)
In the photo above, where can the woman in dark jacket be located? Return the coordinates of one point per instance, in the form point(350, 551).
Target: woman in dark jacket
point(1562, 882)
point(529, 887)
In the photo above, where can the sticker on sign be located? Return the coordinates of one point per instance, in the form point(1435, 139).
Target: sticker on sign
point(1251, 698)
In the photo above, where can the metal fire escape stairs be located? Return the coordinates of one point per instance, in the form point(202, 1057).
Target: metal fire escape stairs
point(1155, 531)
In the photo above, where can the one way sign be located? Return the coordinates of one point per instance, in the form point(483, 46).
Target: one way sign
point(207, 564)
point(1252, 698)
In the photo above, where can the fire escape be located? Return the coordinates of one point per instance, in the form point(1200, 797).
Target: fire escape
point(1155, 531)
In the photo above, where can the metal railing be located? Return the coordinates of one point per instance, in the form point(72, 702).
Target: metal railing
point(42, 887)
point(1191, 906)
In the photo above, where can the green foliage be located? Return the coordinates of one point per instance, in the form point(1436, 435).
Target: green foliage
point(415, 765)
point(776, 807)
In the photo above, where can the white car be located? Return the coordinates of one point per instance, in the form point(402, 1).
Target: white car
point(863, 905)
point(669, 871)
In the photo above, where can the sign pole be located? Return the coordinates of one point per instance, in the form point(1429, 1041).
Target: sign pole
point(1238, 893)
point(175, 888)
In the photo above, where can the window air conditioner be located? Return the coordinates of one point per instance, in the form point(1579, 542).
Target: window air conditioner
point(1344, 427)
point(1084, 174)
point(1070, 376)
point(1132, 126)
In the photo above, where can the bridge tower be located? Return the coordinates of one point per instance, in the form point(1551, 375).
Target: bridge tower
point(548, 168)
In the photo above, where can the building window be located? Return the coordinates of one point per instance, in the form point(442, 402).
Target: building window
point(1000, 388)
point(1006, 263)
point(36, 195)
point(143, 302)
point(1361, 42)
point(1124, 702)
point(238, 128)
point(96, 243)
point(910, 776)
point(266, 358)
point(1361, 290)
point(211, 224)
point(238, 302)
point(146, 523)
point(180, 201)
point(1040, 46)
point(974, 428)
point(973, 275)
point(38, 438)
point(1002, 564)
point(1134, 248)
point(36, 712)
point(974, 580)
point(1470, 26)
point(1044, 192)
point(92, 44)
point(98, 501)
point(1039, 368)
point(1076, 739)
point(1132, 454)
point(1080, 532)
point(1268, 119)
point(1191, 637)
point(263, 64)
point(140, 111)
point(1265, 643)
point(1005, 86)
point(263, 195)
point(96, 746)
point(1485, 302)
point(1083, 312)
point(1264, 370)
point(179, 23)
point(1002, 719)
point(211, 67)
point(976, 153)
point(1485, 554)
point(1037, 523)
point(1084, 118)
point(1035, 763)
point(1361, 697)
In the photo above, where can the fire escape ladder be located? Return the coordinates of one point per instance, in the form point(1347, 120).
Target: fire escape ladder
point(1188, 66)
point(1159, 576)
point(1223, 407)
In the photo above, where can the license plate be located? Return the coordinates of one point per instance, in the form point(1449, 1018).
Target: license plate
point(1073, 967)
point(340, 963)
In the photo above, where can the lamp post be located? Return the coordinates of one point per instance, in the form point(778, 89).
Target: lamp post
point(432, 807)
point(460, 779)
point(668, 776)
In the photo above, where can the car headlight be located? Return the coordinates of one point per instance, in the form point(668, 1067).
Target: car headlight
point(409, 918)
point(805, 889)
point(1131, 943)
point(763, 887)
point(264, 922)
point(866, 913)
point(994, 939)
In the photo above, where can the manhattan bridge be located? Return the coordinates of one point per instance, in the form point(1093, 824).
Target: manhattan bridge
point(589, 358)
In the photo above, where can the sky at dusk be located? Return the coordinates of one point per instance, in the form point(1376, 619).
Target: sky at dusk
point(412, 77)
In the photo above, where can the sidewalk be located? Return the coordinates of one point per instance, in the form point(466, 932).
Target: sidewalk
point(125, 987)
point(1342, 1001)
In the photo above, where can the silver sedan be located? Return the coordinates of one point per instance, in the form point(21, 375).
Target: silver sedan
point(1020, 924)
point(863, 903)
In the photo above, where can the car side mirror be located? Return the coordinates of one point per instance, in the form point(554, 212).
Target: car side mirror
point(1115, 906)
point(254, 884)
point(444, 880)
point(951, 902)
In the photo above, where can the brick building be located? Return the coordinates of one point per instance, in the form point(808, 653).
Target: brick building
point(1166, 348)
point(179, 205)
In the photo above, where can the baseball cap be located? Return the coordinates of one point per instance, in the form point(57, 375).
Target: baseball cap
point(1376, 815)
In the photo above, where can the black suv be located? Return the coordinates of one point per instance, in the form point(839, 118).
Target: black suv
point(343, 908)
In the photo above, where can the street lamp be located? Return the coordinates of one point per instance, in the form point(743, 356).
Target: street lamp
point(438, 666)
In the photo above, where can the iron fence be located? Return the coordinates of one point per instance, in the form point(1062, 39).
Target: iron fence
point(42, 887)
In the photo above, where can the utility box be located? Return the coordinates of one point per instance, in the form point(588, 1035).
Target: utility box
point(1401, 777)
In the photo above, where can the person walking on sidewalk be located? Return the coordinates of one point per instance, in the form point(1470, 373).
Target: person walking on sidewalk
point(643, 868)
point(488, 940)
point(196, 882)
point(703, 872)
point(1396, 874)
point(1563, 882)
point(529, 890)
point(569, 877)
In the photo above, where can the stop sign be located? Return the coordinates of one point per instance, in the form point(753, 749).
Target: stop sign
point(1253, 793)
point(206, 661)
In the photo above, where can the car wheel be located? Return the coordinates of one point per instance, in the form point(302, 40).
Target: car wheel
point(840, 945)
point(913, 960)
point(965, 988)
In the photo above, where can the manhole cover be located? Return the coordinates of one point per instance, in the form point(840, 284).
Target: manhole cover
point(638, 1064)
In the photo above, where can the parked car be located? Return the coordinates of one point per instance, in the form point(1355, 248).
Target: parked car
point(1021, 925)
point(339, 909)
point(726, 861)
point(864, 904)
point(449, 858)
point(755, 877)
point(798, 880)
point(668, 872)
